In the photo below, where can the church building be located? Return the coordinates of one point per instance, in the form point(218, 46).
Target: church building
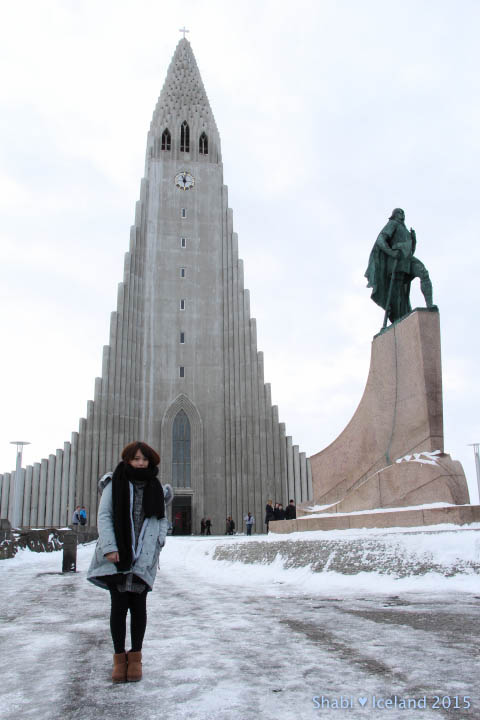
point(181, 371)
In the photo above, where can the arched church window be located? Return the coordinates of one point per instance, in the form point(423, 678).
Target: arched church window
point(203, 144)
point(185, 137)
point(181, 451)
point(166, 139)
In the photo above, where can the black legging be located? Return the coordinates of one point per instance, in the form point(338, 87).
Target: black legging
point(121, 603)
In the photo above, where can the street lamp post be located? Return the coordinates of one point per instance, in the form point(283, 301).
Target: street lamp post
point(17, 496)
point(476, 452)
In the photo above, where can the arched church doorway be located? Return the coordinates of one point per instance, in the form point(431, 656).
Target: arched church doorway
point(182, 515)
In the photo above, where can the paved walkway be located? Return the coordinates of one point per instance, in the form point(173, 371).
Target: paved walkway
point(221, 651)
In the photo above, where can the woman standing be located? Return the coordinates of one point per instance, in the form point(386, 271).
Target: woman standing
point(131, 532)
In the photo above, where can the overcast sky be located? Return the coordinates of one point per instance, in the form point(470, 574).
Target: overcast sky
point(331, 113)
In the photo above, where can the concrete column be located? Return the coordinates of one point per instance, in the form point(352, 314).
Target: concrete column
point(269, 437)
point(262, 430)
point(102, 442)
point(57, 488)
point(65, 510)
point(309, 481)
point(140, 352)
point(5, 496)
point(237, 491)
point(277, 472)
point(82, 431)
point(136, 328)
point(290, 470)
point(132, 322)
point(283, 461)
point(27, 496)
point(126, 323)
point(232, 509)
point(118, 374)
point(42, 493)
point(248, 408)
point(93, 503)
point(11, 496)
point(296, 471)
point(137, 362)
point(303, 476)
point(243, 390)
point(87, 470)
point(18, 496)
point(1, 490)
point(111, 391)
point(35, 498)
point(259, 505)
point(226, 350)
point(50, 490)
point(72, 476)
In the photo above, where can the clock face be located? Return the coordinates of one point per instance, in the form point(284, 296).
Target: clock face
point(184, 180)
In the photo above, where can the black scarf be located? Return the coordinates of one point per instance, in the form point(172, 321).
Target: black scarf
point(153, 505)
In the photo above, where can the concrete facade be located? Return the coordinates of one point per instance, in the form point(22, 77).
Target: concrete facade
point(181, 341)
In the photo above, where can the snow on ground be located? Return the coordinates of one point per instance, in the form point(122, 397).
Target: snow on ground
point(226, 640)
point(318, 509)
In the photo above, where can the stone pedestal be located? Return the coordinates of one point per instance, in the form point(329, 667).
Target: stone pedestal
point(391, 452)
point(69, 561)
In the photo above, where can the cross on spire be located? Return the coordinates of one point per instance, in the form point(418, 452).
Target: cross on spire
point(183, 30)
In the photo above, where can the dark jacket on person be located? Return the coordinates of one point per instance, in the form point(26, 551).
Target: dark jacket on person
point(269, 513)
point(278, 514)
point(290, 512)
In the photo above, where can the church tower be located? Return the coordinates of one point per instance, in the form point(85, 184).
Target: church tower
point(181, 370)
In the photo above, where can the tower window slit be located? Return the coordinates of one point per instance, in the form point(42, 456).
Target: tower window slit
point(203, 144)
point(182, 371)
point(182, 338)
point(166, 139)
point(184, 137)
point(182, 272)
point(182, 304)
point(183, 242)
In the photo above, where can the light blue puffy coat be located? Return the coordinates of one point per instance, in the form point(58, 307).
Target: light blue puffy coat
point(150, 543)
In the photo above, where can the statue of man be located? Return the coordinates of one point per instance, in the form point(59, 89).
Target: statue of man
point(392, 267)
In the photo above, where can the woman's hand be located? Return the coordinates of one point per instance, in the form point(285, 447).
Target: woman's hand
point(112, 557)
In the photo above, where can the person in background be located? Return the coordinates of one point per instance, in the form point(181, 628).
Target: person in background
point(202, 526)
point(132, 526)
point(280, 512)
point(208, 526)
point(83, 515)
point(249, 520)
point(76, 516)
point(269, 514)
point(232, 526)
point(290, 511)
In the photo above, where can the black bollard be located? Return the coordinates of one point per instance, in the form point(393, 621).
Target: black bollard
point(69, 552)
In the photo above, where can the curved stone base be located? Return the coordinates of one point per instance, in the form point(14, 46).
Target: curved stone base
point(391, 452)
point(394, 518)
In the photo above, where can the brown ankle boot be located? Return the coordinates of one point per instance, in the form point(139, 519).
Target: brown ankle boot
point(119, 672)
point(134, 666)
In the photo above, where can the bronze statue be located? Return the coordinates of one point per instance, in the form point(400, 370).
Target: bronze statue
point(392, 267)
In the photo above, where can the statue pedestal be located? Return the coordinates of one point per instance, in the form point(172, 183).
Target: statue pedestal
point(390, 455)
